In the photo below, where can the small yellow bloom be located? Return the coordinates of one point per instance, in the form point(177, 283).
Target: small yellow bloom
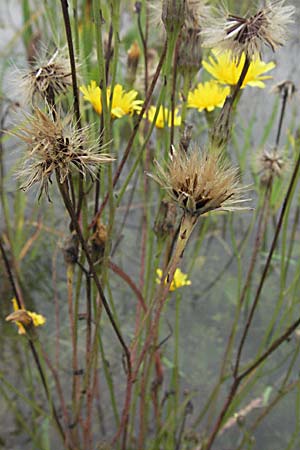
point(227, 71)
point(123, 103)
point(180, 279)
point(208, 95)
point(24, 319)
point(164, 117)
point(92, 94)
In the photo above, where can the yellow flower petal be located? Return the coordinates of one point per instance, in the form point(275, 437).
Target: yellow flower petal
point(164, 117)
point(180, 279)
point(123, 103)
point(209, 95)
point(226, 71)
point(92, 94)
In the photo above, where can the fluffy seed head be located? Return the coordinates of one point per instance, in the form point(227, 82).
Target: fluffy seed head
point(56, 145)
point(286, 89)
point(271, 163)
point(200, 182)
point(248, 34)
point(49, 78)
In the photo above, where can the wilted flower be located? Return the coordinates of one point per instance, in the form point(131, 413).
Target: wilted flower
point(227, 71)
point(200, 182)
point(56, 145)
point(164, 117)
point(180, 279)
point(24, 319)
point(271, 163)
point(48, 79)
point(208, 95)
point(123, 103)
point(247, 35)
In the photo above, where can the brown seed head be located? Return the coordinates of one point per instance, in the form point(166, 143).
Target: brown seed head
point(286, 89)
point(271, 163)
point(56, 145)
point(248, 34)
point(200, 182)
point(49, 78)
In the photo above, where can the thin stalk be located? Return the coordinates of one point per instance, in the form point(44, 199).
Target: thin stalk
point(285, 205)
point(133, 135)
point(282, 112)
point(65, 10)
point(238, 379)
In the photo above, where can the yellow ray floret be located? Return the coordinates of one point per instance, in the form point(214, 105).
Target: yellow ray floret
point(164, 117)
point(123, 103)
point(226, 71)
point(208, 95)
point(180, 279)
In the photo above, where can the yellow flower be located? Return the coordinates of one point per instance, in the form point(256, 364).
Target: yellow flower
point(226, 71)
point(208, 95)
point(180, 279)
point(24, 319)
point(164, 117)
point(123, 103)
point(92, 94)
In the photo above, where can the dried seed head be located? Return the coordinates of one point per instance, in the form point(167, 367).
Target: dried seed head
point(200, 182)
point(271, 163)
point(49, 78)
point(286, 89)
point(247, 35)
point(56, 145)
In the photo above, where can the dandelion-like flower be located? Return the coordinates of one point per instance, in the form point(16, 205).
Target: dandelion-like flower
point(56, 145)
point(25, 319)
point(208, 95)
point(227, 71)
point(164, 117)
point(200, 182)
point(247, 35)
point(48, 79)
point(271, 163)
point(123, 103)
point(180, 279)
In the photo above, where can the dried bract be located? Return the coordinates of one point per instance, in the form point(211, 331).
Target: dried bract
point(247, 35)
point(56, 145)
point(200, 182)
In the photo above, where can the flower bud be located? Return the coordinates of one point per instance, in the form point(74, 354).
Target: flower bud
point(173, 14)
